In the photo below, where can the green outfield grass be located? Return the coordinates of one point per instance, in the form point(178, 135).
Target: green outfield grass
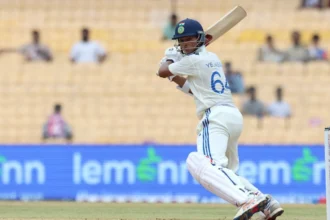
point(110, 211)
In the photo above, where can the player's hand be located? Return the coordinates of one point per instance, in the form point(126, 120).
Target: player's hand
point(173, 54)
point(162, 61)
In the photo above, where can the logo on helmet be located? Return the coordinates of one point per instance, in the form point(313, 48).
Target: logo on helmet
point(181, 28)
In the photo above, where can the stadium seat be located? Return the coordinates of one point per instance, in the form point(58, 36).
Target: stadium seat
point(122, 100)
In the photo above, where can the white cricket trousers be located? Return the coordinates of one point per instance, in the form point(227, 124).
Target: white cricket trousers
point(218, 133)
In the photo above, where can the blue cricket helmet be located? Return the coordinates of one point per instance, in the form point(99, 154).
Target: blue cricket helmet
point(188, 27)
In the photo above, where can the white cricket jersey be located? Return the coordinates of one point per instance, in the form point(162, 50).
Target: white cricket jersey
point(206, 78)
point(87, 52)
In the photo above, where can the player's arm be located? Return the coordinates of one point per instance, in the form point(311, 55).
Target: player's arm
point(172, 55)
point(164, 70)
point(183, 84)
point(179, 80)
point(183, 67)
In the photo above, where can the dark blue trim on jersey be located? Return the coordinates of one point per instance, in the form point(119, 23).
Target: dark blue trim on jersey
point(205, 146)
point(206, 138)
point(208, 111)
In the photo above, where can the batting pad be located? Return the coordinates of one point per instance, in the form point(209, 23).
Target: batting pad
point(220, 181)
point(249, 185)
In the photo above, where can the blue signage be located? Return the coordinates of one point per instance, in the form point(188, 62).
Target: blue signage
point(150, 173)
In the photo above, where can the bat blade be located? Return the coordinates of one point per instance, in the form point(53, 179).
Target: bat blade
point(225, 23)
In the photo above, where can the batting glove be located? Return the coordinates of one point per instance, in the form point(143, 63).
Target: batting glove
point(173, 54)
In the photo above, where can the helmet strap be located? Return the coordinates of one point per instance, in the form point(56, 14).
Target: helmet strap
point(201, 38)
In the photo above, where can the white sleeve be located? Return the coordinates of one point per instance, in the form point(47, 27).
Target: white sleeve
point(185, 67)
point(74, 52)
point(99, 50)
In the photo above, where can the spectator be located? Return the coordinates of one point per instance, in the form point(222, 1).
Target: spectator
point(253, 106)
point(169, 28)
point(34, 51)
point(315, 51)
point(279, 108)
point(56, 127)
point(311, 4)
point(234, 79)
point(297, 52)
point(87, 51)
point(268, 52)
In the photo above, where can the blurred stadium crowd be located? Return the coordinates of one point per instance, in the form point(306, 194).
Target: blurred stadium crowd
point(100, 59)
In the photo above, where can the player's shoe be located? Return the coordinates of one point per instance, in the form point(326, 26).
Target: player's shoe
point(256, 204)
point(272, 210)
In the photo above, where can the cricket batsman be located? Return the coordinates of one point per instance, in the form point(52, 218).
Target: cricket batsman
point(199, 73)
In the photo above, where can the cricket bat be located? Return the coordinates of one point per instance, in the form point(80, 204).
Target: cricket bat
point(225, 23)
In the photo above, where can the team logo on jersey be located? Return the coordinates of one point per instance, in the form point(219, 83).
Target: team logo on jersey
point(181, 28)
